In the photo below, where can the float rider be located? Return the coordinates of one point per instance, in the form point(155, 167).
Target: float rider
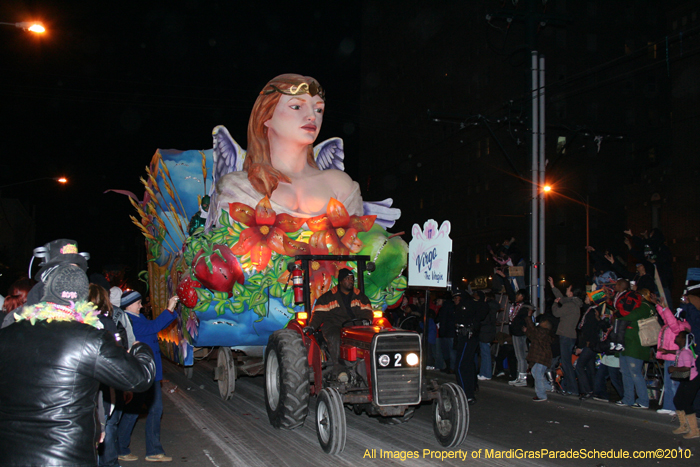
point(340, 304)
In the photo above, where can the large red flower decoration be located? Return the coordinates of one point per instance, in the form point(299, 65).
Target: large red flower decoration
point(266, 233)
point(336, 232)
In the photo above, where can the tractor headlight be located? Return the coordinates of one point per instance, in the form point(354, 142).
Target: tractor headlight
point(412, 359)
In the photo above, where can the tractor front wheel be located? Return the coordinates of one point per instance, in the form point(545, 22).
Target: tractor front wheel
point(450, 416)
point(286, 380)
point(330, 421)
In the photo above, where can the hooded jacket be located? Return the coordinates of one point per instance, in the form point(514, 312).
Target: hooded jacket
point(568, 313)
point(50, 374)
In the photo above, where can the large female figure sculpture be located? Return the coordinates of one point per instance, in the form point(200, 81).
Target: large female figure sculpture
point(281, 162)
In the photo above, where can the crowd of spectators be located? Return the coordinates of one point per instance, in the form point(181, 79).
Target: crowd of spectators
point(85, 348)
point(590, 343)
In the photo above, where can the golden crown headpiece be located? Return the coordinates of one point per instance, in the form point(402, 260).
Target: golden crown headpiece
point(312, 89)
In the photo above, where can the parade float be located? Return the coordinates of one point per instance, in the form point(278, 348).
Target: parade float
point(221, 226)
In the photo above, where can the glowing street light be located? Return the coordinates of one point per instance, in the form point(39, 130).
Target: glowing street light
point(61, 180)
point(32, 26)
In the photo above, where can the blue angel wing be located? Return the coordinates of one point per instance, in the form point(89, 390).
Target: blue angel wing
point(228, 157)
point(330, 154)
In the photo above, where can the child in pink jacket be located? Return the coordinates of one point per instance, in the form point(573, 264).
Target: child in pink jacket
point(667, 352)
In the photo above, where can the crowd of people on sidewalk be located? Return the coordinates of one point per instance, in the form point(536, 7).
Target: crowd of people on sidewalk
point(619, 335)
point(68, 341)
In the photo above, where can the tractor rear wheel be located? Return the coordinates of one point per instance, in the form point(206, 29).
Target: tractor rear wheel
point(286, 380)
point(450, 416)
point(330, 421)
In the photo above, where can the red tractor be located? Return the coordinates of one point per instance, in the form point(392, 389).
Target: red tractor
point(384, 373)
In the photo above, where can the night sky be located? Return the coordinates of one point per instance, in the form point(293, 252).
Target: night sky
point(111, 82)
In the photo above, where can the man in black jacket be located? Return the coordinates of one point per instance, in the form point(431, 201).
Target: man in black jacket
point(52, 361)
point(445, 322)
point(340, 304)
point(468, 316)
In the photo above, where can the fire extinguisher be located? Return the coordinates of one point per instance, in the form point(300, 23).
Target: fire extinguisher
point(298, 284)
point(297, 277)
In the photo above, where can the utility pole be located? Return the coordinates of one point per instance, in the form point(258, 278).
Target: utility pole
point(533, 19)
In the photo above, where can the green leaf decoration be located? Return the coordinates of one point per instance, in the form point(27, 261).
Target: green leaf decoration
point(295, 235)
point(238, 307)
point(256, 279)
point(203, 294)
point(261, 311)
point(238, 290)
point(257, 298)
point(279, 267)
point(276, 289)
point(220, 296)
point(288, 299)
point(218, 237)
point(202, 305)
point(225, 219)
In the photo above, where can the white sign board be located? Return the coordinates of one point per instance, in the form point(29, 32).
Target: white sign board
point(428, 255)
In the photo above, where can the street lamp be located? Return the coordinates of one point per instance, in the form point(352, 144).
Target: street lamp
point(61, 180)
point(32, 26)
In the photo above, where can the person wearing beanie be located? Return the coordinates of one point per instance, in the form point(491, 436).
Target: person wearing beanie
point(340, 304)
point(48, 394)
point(146, 331)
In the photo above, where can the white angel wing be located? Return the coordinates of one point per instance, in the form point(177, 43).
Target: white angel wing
point(330, 154)
point(228, 154)
point(228, 157)
point(386, 215)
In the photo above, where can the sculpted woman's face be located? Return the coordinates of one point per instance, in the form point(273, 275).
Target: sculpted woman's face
point(296, 119)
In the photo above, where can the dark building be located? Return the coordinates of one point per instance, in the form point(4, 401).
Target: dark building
point(446, 129)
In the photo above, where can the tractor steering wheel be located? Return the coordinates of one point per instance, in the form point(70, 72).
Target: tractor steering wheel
point(357, 322)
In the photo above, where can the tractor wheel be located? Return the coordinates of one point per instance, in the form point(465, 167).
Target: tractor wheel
point(227, 373)
point(450, 416)
point(286, 380)
point(330, 421)
point(407, 415)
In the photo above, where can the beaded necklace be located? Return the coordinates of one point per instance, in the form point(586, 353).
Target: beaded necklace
point(82, 312)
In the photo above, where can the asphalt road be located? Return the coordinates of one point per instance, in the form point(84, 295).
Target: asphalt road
point(201, 429)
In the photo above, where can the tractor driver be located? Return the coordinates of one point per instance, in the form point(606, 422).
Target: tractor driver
point(340, 304)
